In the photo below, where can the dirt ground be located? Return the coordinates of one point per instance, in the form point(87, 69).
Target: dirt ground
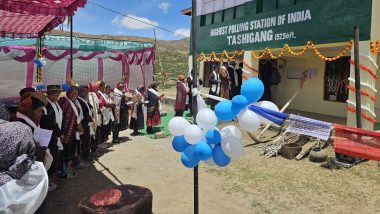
point(250, 184)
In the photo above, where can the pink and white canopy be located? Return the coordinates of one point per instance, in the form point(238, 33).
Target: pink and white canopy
point(59, 8)
point(26, 25)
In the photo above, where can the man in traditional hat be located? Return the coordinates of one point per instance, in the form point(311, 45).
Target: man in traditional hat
point(233, 78)
point(86, 122)
point(52, 120)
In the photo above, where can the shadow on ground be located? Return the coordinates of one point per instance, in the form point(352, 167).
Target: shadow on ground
point(87, 182)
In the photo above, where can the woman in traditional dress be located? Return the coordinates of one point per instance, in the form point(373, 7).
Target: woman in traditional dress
point(71, 127)
point(97, 116)
point(120, 112)
point(180, 101)
point(153, 107)
point(225, 83)
point(105, 106)
point(137, 117)
point(110, 109)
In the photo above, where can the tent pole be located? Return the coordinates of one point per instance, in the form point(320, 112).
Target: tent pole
point(195, 85)
point(357, 79)
point(71, 47)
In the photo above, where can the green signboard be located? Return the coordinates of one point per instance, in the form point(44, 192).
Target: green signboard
point(321, 21)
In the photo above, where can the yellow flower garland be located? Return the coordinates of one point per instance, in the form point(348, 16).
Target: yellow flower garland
point(267, 51)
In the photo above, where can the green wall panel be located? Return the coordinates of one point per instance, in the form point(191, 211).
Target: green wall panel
point(322, 21)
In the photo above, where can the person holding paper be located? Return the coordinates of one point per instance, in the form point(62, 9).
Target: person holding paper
point(29, 112)
point(52, 120)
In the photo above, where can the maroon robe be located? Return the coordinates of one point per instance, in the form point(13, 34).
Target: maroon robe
point(180, 101)
point(69, 122)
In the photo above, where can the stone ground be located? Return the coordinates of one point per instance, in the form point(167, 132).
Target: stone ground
point(250, 184)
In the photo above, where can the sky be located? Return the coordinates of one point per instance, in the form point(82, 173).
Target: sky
point(163, 13)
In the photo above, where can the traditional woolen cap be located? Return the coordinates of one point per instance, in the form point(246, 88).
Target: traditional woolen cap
point(53, 88)
point(181, 77)
point(72, 88)
point(25, 92)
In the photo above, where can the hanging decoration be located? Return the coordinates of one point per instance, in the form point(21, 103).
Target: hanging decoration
point(362, 92)
point(375, 47)
point(365, 68)
point(364, 115)
point(268, 51)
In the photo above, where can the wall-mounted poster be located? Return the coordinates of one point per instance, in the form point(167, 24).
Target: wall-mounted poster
point(336, 80)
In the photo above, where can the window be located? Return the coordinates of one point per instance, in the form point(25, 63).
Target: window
point(209, 19)
point(302, 1)
point(203, 20)
point(229, 14)
point(218, 17)
point(239, 11)
point(268, 5)
point(336, 80)
point(284, 3)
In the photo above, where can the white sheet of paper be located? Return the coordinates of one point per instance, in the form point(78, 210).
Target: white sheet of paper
point(44, 136)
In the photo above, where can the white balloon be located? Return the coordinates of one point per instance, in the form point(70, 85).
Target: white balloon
point(193, 134)
point(178, 125)
point(210, 162)
point(232, 147)
point(206, 119)
point(249, 120)
point(267, 105)
point(230, 131)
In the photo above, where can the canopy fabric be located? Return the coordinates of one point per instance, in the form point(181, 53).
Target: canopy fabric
point(26, 25)
point(25, 54)
point(136, 68)
point(82, 44)
point(58, 8)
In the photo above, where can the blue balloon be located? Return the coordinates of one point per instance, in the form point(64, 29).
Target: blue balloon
point(219, 157)
point(203, 150)
point(213, 137)
point(179, 143)
point(252, 89)
point(41, 87)
point(38, 63)
point(239, 102)
point(66, 87)
point(224, 111)
point(189, 158)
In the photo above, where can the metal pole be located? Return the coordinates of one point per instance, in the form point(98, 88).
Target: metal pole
point(71, 48)
point(357, 79)
point(195, 85)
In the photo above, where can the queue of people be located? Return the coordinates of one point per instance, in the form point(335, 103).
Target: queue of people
point(75, 122)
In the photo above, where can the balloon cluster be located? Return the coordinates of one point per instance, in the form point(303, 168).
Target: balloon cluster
point(40, 62)
point(251, 91)
point(70, 82)
point(204, 142)
point(40, 86)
